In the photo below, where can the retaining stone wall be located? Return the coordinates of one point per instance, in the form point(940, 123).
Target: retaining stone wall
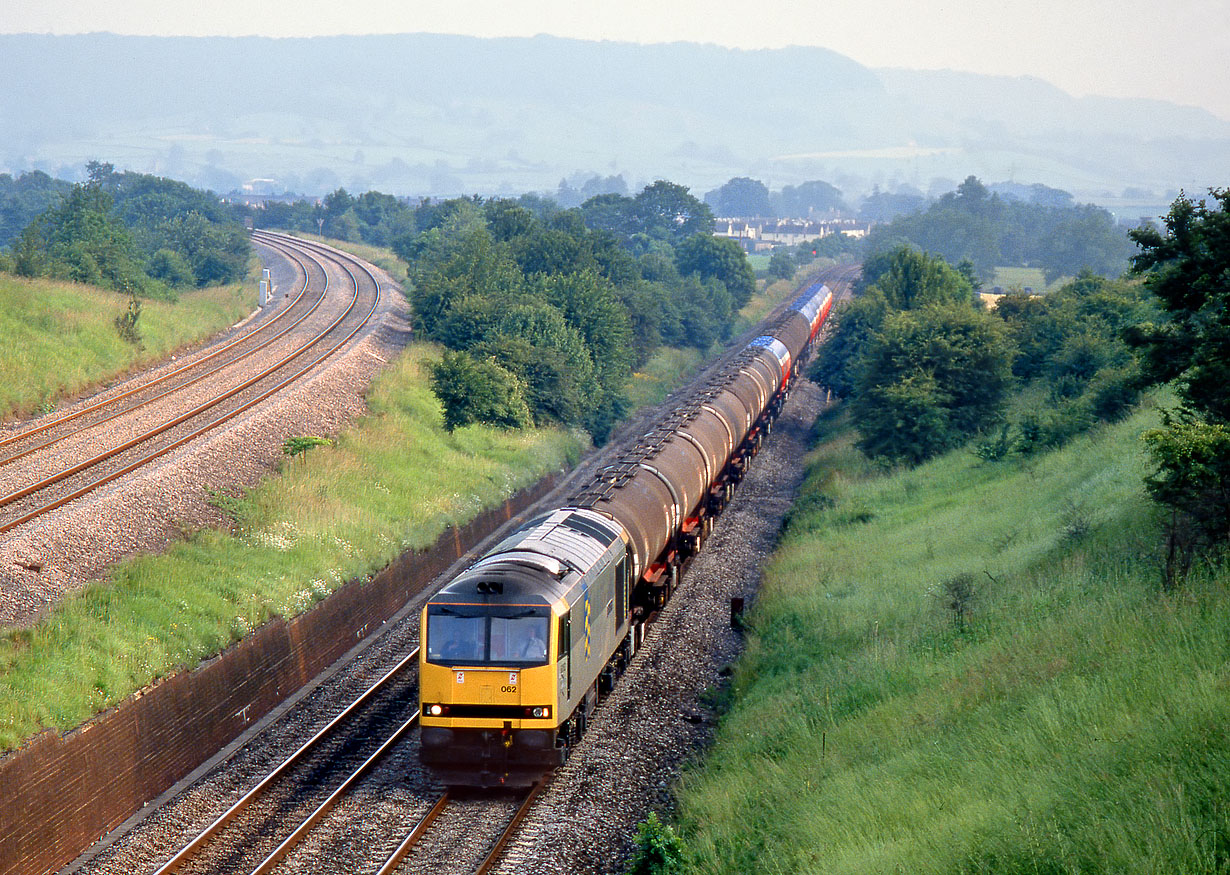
point(61, 793)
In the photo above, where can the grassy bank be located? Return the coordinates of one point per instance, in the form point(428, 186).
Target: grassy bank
point(970, 668)
point(392, 482)
point(60, 338)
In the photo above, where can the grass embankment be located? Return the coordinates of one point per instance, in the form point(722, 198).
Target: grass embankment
point(970, 668)
point(392, 482)
point(60, 338)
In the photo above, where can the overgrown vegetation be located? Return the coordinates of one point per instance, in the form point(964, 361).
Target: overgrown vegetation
point(981, 676)
point(548, 316)
point(926, 367)
point(391, 484)
point(547, 312)
point(1188, 269)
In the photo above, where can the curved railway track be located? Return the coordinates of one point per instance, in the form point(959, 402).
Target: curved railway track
point(67, 457)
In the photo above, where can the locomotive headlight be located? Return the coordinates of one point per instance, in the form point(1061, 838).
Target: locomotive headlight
point(435, 710)
point(542, 712)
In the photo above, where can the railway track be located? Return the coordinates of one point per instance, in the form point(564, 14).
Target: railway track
point(460, 825)
point(253, 834)
point(60, 460)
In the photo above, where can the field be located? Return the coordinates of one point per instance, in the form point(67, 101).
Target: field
point(972, 668)
point(759, 263)
point(1025, 278)
point(61, 339)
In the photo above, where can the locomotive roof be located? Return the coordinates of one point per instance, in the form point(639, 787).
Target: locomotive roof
point(538, 562)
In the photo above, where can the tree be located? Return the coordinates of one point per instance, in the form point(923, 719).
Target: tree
point(1086, 238)
point(613, 213)
point(1188, 269)
point(82, 240)
point(929, 380)
point(1192, 480)
point(741, 196)
point(718, 258)
point(809, 197)
point(781, 265)
point(909, 279)
point(853, 325)
point(478, 390)
point(668, 212)
point(989, 230)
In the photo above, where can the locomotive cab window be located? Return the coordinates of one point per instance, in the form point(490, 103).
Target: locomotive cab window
point(505, 635)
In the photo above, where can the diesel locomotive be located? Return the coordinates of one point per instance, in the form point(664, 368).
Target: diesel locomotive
point(517, 649)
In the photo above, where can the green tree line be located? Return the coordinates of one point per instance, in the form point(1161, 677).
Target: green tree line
point(927, 369)
point(1186, 265)
point(972, 224)
point(546, 312)
point(131, 232)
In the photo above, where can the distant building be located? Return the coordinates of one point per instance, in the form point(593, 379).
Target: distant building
point(758, 235)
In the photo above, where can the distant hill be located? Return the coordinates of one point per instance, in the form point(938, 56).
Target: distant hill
point(433, 114)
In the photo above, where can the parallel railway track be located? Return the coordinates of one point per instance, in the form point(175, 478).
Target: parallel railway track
point(74, 457)
point(242, 838)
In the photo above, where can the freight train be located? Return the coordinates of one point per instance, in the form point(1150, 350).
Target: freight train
point(517, 649)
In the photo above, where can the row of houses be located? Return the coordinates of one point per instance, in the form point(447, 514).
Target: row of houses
point(759, 235)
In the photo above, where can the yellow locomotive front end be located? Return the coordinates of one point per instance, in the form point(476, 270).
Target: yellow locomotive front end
point(513, 647)
point(488, 685)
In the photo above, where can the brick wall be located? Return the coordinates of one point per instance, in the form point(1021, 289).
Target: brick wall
point(61, 793)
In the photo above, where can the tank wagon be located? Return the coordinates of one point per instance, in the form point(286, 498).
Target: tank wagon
point(518, 649)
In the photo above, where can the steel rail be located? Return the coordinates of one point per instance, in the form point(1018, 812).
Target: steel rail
point(493, 855)
point(194, 847)
point(68, 417)
point(265, 344)
point(288, 844)
point(48, 481)
point(407, 844)
point(200, 408)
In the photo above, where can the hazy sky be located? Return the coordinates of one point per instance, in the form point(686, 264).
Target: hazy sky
point(1176, 50)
